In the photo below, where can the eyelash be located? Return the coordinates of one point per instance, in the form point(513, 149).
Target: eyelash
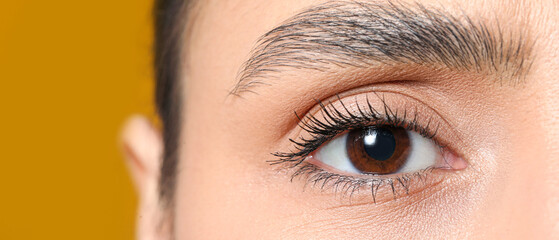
point(337, 121)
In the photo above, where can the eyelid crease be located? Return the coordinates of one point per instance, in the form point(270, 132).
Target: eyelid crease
point(409, 83)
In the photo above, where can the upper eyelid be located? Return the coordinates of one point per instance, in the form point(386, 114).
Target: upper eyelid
point(368, 112)
point(317, 109)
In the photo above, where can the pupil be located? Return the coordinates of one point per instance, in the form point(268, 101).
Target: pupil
point(379, 143)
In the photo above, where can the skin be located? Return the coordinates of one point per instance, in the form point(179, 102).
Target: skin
point(508, 135)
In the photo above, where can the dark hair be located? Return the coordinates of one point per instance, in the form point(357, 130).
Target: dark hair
point(169, 16)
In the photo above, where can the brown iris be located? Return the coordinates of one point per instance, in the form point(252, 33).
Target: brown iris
point(379, 150)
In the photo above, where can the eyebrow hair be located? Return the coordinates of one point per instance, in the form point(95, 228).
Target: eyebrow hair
point(364, 34)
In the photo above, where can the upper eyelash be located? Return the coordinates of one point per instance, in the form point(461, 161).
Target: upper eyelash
point(337, 121)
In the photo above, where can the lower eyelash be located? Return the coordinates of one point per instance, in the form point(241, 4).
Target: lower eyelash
point(337, 121)
point(348, 185)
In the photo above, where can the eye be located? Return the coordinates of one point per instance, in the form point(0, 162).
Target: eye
point(379, 150)
point(356, 143)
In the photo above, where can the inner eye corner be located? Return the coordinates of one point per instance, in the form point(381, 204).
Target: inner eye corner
point(452, 161)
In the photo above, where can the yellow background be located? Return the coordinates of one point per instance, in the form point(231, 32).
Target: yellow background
point(70, 73)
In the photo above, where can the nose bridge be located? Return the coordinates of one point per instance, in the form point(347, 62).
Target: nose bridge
point(551, 201)
point(524, 206)
point(551, 160)
point(546, 192)
point(526, 198)
point(539, 166)
point(527, 184)
point(532, 191)
point(549, 101)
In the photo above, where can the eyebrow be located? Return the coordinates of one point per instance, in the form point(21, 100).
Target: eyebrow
point(364, 35)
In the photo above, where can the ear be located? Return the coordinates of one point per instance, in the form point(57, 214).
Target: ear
point(143, 149)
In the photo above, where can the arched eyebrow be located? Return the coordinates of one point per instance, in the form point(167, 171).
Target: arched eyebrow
point(364, 35)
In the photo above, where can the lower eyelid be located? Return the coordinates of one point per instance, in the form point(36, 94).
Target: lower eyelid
point(377, 189)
